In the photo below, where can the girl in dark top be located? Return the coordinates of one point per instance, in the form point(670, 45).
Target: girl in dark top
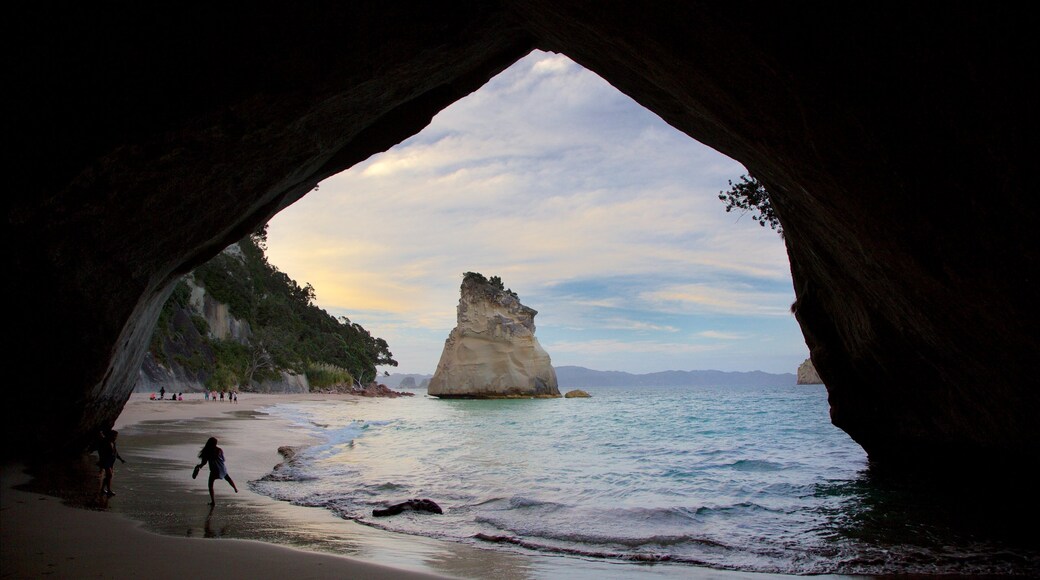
point(214, 456)
point(107, 455)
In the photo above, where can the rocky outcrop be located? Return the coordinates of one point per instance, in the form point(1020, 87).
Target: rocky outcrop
point(492, 351)
point(419, 505)
point(377, 390)
point(167, 369)
point(287, 382)
point(407, 383)
point(576, 394)
point(897, 144)
point(807, 374)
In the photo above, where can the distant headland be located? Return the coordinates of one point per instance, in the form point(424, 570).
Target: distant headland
point(572, 377)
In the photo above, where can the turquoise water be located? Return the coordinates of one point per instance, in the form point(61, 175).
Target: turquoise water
point(752, 479)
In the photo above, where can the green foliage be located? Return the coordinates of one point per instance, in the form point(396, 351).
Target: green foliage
point(324, 375)
point(750, 195)
point(494, 282)
point(233, 357)
point(474, 276)
point(178, 299)
point(289, 331)
point(196, 362)
point(222, 379)
point(200, 324)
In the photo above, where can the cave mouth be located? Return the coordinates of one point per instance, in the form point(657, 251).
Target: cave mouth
point(893, 145)
point(602, 215)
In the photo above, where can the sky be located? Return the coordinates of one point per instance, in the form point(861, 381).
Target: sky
point(602, 217)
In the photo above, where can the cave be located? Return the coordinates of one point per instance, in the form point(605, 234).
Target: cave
point(893, 140)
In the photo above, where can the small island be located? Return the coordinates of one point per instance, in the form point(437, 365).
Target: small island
point(492, 352)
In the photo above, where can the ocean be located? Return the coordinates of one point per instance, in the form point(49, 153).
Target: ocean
point(750, 479)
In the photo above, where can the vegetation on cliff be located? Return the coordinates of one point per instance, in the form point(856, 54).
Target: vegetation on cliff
point(750, 195)
point(287, 331)
point(494, 282)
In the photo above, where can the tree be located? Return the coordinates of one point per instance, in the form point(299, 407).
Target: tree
point(750, 195)
point(260, 237)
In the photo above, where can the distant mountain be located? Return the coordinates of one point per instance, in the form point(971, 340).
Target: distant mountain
point(395, 379)
point(571, 377)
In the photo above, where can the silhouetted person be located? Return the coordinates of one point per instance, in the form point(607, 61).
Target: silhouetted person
point(107, 455)
point(214, 456)
point(162, 393)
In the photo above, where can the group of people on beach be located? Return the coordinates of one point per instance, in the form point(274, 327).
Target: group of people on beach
point(210, 455)
point(232, 396)
point(162, 395)
point(173, 397)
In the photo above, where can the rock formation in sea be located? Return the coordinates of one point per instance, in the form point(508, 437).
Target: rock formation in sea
point(577, 394)
point(807, 374)
point(492, 351)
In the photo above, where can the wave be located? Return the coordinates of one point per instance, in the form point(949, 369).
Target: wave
point(755, 465)
point(586, 553)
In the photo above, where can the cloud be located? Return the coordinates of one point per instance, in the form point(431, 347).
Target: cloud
point(722, 335)
point(740, 301)
point(596, 212)
point(637, 325)
point(607, 346)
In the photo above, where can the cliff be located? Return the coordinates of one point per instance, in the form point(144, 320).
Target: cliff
point(225, 327)
point(186, 350)
point(492, 351)
point(807, 374)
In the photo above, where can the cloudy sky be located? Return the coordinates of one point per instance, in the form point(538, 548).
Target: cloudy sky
point(598, 214)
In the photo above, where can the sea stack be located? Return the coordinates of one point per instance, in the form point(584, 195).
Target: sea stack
point(492, 351)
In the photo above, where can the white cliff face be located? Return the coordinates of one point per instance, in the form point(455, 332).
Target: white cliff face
point(492, 352)
point(807, 374)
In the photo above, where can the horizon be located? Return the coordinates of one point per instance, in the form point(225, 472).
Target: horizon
point(602, 217)
point(430, 374)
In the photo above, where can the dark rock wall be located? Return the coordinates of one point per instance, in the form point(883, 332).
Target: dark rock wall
point(895, 139)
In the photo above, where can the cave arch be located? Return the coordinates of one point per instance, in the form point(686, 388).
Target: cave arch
point(894, 140)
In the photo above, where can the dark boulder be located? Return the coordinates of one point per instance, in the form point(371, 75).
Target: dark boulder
point(421, 505)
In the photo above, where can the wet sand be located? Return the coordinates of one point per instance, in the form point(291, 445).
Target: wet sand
point(245, 534)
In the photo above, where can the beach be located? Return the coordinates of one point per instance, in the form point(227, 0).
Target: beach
point(41, 536)
point(160, 525)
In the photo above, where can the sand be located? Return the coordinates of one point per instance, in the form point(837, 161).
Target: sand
point(41, 537)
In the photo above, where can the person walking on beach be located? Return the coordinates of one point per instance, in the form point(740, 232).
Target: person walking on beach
point(214, 456)
point(107, 455)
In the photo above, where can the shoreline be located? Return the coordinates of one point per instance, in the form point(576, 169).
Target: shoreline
point(42, 534)
point(157, 501)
